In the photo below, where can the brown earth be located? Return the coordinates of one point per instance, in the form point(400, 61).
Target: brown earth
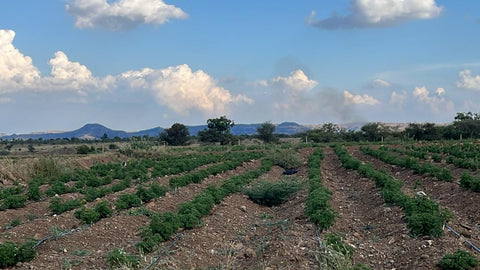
point(239, 234)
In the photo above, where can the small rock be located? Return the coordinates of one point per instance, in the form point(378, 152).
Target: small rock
point(243, 208)
point(238, 246)
point(356, 234)
point(424, 256)
point(430, 242)
point(250, 253)
point(65, 250)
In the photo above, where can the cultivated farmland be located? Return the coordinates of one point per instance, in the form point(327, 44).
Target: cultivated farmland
point(285, 206)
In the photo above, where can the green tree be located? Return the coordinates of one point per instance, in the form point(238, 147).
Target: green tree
point(265, 132)
point(218, 130)
point(177, 134)
point(104, 137)
point(468, 124)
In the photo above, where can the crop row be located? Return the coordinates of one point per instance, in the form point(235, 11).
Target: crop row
point(164, 225)
point(318, 207)
point(424, 217)
point(442, 174)
point(464, 162)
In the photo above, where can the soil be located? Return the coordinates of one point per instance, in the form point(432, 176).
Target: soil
point(239, 234)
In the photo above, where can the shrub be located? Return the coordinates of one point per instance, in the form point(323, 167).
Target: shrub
point(460, 260)
point(12, 253)
point(270, 193)
point(57, 206)
point(33, 193)
point(13, 202)
point(87, 215)
point(335, 240)
point(46, 168)
point(127, 201)
point(103, 209)
point(83, 149)
point(286, 158)
point(118, 257)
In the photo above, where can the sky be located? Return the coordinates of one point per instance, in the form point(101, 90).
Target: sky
point(138, 64)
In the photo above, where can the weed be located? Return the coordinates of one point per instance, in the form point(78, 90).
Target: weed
point(118, 257)
point(13, 223)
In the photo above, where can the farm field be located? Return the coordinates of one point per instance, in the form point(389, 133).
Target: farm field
point(349, 207)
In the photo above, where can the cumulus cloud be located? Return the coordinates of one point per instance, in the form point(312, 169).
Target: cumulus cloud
point(379, 83)
point(182, 89)
point(398, 99)
point(16, 69)
point(468, 81)
point(122, 14)
point(437, 101)
point(349, 98)
point(179, 88)
point(294, 84)
point(379, 13)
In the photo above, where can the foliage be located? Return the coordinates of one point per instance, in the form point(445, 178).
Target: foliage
point(177, 134)
point(127, 200)
point(84, 149)
point(218, 130)
point(460, 260)
point(286, 158)
point(150, 193)
point(12, 253)
point(265, 133)
point(87, 215)
point(272, 193)
point(47, 168)
point(118, 257)
point(57, 206)
point(13, 202)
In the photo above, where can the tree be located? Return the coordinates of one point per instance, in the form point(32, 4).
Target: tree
point(177, 134)
point(218, 130)
point(329, 132)
point(31, 148)
point(468, 124)
point(104, 137)
point(265, 132)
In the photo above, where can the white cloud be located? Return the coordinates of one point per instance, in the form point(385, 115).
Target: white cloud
point(182, 90)
point(122, 14)
point(378, 13)
point(294, 84)
point(398, 98)
point(349, 98)
point(16, 69)
point(437, 102)
point(468, 81)
point(179, 88)
point(379, 83)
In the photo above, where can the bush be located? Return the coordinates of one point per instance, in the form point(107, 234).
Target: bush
point(57, 206)
point(12, 253)
point(118, 257)
point(286, 158)
point(46, 168)
point(460, 260)
point(33, 193)
point(127, 201)
point(103, 209)
point(89, 216)
point(270, 193)
point(83, 149)
point(13, 202)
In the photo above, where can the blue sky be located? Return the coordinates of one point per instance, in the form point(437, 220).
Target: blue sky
point(136, 64)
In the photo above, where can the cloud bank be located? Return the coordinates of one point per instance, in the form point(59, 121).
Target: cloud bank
point(178, 88)
point(349, 99)
point(122, 14)
point(468, 81)
point(379, 13)
point(436, 102)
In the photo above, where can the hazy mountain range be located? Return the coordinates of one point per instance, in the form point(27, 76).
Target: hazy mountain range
point(96, 131)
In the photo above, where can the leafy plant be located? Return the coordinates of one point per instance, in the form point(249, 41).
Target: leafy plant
point(272, 193)
point(118, 257)
point(128, 201)
point(286, 158)
point(13, 202)
point(460, 260)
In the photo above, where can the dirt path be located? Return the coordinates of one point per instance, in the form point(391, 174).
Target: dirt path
point(378, 232)
point(464, 204)
point(240, 234)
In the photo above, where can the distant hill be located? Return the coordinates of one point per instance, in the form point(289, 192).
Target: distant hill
point(96, 131)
